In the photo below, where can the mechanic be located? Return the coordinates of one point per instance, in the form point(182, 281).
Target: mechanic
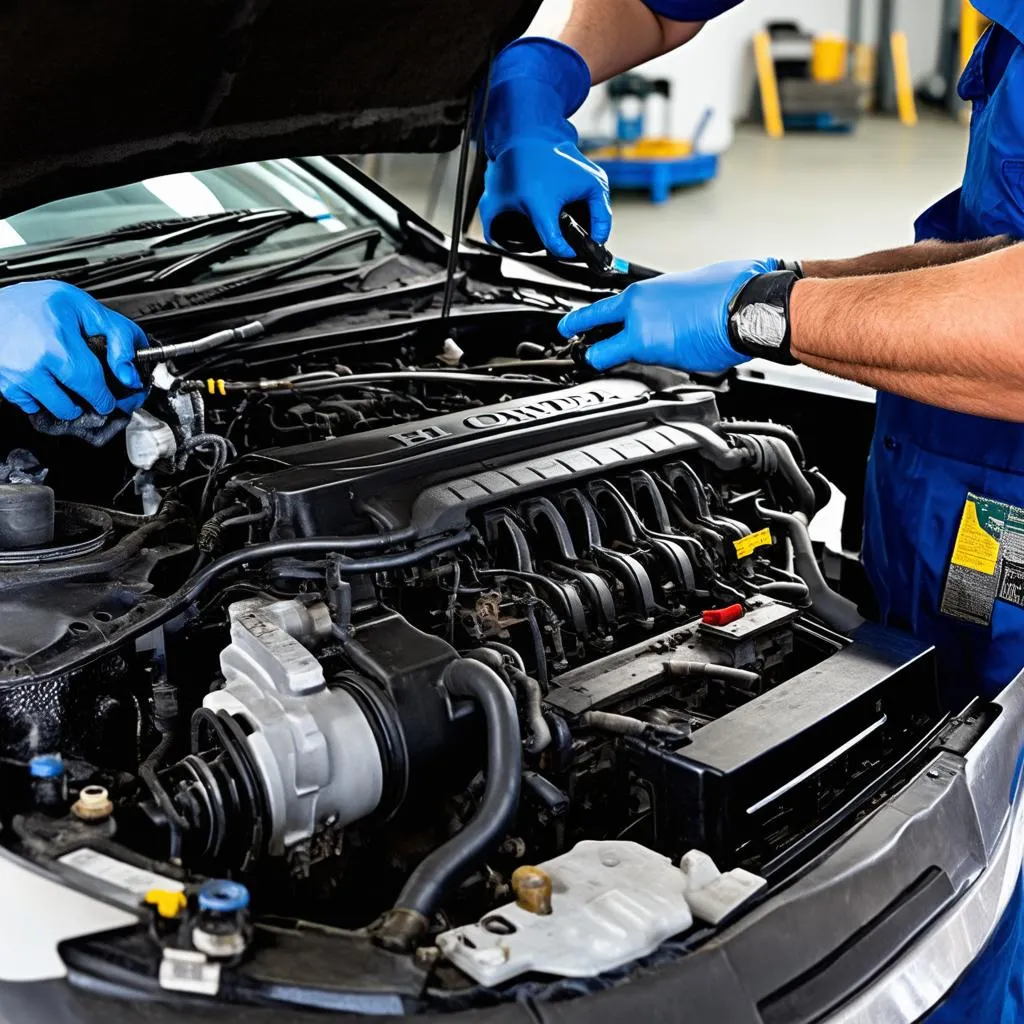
point(45, 359)
point(936, 327)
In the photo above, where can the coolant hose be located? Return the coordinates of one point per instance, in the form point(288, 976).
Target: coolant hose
point(794, 476)
point(832, 608)
point(312, 547)
point(493, 657)
point(771, 430)
point(770, 454)
point(793, 591)
point(726, 673)
point(449, 864)
point(540, 732)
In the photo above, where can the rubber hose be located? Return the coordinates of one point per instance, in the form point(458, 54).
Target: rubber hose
point(785, 590)
point(312, 546)
point(771, 430)
point(540, 733)
point(793, 474)
point(510, 652)
point(619, 725)
point(714, 448)
point(830, 607)
point(449, 864)
point(726, 673)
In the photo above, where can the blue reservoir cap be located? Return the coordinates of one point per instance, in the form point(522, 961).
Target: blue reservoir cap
point(46, 766)
point(222, 896)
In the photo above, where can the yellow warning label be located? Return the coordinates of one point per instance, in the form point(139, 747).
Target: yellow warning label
point(749, 544)
point(974, 548)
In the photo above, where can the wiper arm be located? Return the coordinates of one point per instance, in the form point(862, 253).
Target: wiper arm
point(188, 227)
point(184, 270)
point(369, 236)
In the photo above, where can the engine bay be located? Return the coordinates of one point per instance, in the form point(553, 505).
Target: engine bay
point(412, 639)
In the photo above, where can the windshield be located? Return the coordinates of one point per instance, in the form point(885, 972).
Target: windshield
point(267, 184)
point(272, 223)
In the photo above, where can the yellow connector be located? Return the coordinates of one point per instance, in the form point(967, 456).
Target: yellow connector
point(168, 902)
point(215, 386)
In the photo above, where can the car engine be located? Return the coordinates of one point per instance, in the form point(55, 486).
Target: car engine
point(406, 637)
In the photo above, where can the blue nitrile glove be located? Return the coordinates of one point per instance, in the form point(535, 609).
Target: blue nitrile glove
point(534, 163)
point(43, 331)
point(676, 320)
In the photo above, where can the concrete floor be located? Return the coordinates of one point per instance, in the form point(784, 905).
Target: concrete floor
point(808, 195)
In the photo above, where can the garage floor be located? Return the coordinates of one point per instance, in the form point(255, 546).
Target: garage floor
point(804, 196)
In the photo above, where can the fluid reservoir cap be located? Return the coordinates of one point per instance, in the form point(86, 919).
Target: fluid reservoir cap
point(222, 896)
point(46, 766)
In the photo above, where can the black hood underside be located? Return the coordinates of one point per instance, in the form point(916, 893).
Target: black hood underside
point(97, 93)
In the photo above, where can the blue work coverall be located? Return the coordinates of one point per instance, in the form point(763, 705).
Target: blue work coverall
point(925, 462)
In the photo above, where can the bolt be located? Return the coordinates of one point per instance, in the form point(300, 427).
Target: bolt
point(513, 846)
point(427, 956)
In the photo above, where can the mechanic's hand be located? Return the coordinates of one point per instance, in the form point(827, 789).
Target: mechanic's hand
point(43, 327)
point(676, 320)
point(534, 164)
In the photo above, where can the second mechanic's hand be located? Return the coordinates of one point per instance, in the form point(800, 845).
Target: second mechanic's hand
point(676, 320)
point(45, 358)
point(534, 163)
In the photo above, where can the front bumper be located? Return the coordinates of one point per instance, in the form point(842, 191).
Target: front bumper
point(878, 930)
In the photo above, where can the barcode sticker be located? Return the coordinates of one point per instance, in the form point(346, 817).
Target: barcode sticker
point(184, 970)
point(117, 873)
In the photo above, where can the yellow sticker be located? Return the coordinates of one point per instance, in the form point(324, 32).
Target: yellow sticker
point(749, 544)
point(975, 548)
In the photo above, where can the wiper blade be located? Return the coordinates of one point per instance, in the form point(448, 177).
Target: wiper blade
point(369, 236)
point(108, 278)
point(187, 228)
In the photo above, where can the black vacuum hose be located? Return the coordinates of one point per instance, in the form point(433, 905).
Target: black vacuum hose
point(311, 547)
point(450, 863)
point(832, 608)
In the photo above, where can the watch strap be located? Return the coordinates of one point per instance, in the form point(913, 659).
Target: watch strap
point(758, 317)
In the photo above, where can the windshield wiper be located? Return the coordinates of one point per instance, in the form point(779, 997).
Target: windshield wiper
point(369, 236)
point(108, 277)
point(177, 230)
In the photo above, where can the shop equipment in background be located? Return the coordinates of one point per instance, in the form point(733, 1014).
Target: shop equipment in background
point(653, 163)
point(803, 81)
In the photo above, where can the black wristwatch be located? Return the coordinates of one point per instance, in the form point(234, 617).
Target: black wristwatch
point(759, 317)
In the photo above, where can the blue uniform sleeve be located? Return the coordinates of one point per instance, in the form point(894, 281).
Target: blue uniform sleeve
point(690, 10)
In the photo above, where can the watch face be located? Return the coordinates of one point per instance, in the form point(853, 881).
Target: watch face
point(761, 325)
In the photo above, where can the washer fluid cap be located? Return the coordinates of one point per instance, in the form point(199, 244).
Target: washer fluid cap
point(221, 896)
point(46, 766)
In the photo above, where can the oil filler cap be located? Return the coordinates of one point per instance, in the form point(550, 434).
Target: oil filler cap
point(722, 616)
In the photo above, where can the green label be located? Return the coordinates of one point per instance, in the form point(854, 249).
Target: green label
point(987, 564)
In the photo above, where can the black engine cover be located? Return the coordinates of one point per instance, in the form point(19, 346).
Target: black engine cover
point(432, 473)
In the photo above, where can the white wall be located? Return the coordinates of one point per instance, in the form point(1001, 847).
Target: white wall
point(716, 68)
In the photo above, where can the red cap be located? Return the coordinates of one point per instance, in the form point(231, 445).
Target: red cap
point(722, 616)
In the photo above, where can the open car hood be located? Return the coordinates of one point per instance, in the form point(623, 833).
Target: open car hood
point(94, 95)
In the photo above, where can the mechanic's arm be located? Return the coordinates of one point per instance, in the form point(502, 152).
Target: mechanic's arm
point(948, 336)
point(929, 253)
point(535, 167)
point(613, 36)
